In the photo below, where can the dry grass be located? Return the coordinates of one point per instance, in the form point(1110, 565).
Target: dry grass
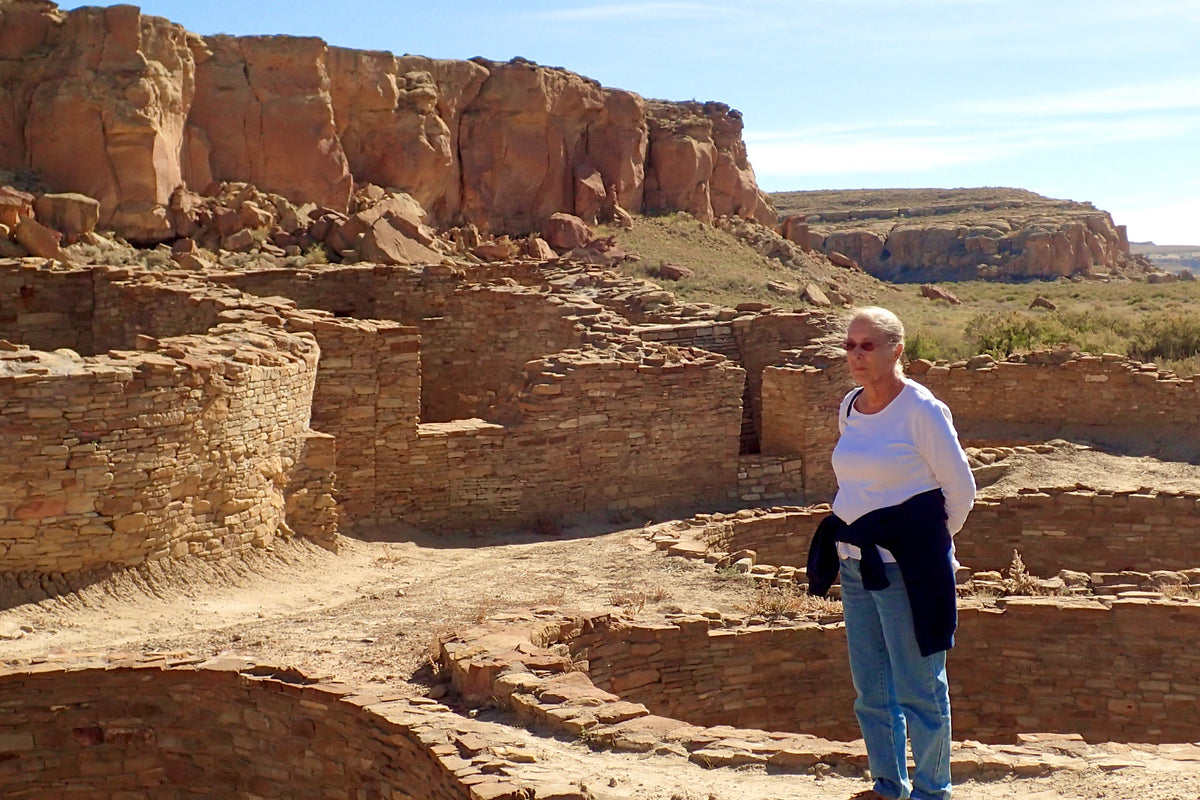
point(634, 598)
point(1091, 316)
point(773, 602)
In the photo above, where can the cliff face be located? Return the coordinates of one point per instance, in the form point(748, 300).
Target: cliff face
point(960, 234)
point(126, 108)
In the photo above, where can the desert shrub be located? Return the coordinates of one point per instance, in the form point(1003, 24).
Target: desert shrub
point(929, 345)
point(1017, 579)
point(1166, 337)
point(777, 601)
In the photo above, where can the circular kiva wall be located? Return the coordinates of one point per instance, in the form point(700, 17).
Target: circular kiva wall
point(193, 444)
point(184, 733)
point(1053, 529)
point(1115, 671)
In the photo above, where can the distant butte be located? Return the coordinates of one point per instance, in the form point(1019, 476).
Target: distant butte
point(908, 235)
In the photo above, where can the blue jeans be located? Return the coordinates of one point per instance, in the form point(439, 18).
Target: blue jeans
point(899, 691)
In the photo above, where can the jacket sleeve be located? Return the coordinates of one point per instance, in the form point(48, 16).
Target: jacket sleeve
point(937, 441)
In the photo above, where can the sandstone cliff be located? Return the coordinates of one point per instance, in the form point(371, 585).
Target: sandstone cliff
point(126, 108)
point(960, 234)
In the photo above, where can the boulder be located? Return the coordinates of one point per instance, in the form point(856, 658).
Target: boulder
point(841, 260)
point(37, 239)
point(813, 294)
point(384, 244)
point(14, 204)
point(70, 213)
point(566, 232)
point(239, 241)
point(590, 196)
point(675, 272)
point(785, 289)
point(936, 293)
point(502, 249)
point(537, 248)
point(794, 228)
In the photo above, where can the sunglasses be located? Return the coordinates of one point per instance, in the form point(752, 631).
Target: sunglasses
point(866, 344)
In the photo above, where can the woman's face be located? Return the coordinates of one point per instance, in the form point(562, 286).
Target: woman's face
point(871, 356)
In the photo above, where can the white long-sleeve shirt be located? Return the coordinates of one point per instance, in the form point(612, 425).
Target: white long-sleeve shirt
point(908, 447)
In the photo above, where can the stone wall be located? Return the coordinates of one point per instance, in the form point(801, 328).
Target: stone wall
point(1109, 400)
point(800, 408)
point(196, 443)
point(626, 432)
point(769, 478)
point(1062, 390)
point(183, 451)
point(1054, 529)
point(498, 405)
point(522, 662)
point(142, 729)
point(47, 309)
point(1064, 528)
point(474, 352)
point(1007, 675)
point(763, 340)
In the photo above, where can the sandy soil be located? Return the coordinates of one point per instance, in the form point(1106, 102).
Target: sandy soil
point(372, 613)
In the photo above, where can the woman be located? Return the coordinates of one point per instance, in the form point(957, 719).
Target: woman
point(904, 488)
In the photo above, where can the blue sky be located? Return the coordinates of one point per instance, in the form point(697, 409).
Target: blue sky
point(1096, 100)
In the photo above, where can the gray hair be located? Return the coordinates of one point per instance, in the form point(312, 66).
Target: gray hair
point(882, 320)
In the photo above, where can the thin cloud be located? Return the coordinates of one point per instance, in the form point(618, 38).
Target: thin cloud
point(844, 150)
point(1180, 93)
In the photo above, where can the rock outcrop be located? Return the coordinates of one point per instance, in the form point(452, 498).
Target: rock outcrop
point(127, 109)
point(923, 235)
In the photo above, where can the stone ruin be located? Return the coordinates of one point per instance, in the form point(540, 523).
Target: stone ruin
point(174, 414)
point(237, 392)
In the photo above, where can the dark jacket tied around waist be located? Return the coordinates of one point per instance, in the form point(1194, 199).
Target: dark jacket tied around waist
point(915, 533)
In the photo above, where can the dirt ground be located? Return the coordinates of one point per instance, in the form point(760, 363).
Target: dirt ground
point(372, 612)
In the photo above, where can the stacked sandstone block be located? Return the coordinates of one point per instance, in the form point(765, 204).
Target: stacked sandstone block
point(1079, 528)
point(1045, 388)
point(790, 675)
point(508, 404)
point(562, 673)
point(1030, 397)
point(163, 726)
point(186, 445)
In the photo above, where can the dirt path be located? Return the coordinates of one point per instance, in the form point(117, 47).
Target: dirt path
point(371, 613)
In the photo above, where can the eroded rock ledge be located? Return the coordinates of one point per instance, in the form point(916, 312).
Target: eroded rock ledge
point(126, 108)
point(959, 234)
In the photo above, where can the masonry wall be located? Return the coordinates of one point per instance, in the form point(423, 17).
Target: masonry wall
point(343, 290)
point(762, 341)
point(473, 353)
point(1099, 398)
point(46, 310)
point(1084, 530)
point(1030, 666)
point(367, 396)
point(800, 408)
point(596, 433)
point(1055, 529)
point(125, 309)
point(1103, 391)
point(116, 460)
point(113, 734)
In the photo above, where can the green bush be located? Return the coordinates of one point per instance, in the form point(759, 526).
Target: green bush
point(1172, 337)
